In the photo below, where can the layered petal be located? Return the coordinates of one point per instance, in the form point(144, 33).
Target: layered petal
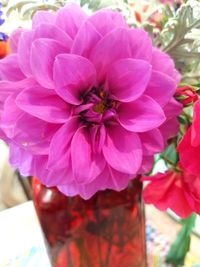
point(158, 84)
point(117, 44)
point(57, 177)
point(45, 105)
point(73, 75)
point(169, 128)
point(42, 17)
point(21, 159)
point(106, 20)
point(152, 142)
point(122, 150)
point(60, 147)
point(86, 38)
point(11, 113)
point(141, 115)
point(51, 31)
point(127, 79)
point(33, 135)
point(42, 66)
point(117, 180)
point(163, 63)
point(8, 87)
point(88, 190)
point(14, 39)
point(173, 108)
point(9, 69)
point(24, 50)
point(70, 18)
point(69, 189)
point(84, 158)
point(147, 164)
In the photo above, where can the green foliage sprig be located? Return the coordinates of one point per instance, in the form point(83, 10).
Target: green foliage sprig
point(180, 38)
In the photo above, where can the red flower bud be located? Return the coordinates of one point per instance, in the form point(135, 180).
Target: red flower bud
point(186, 95)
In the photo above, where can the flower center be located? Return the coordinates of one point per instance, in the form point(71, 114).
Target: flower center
point(96, 107)
point(100, 107)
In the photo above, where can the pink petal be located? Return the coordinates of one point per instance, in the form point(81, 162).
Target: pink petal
point(152, 142)
point(57, 177)
point(98, 136)
point(107, 20)
point(3, 136)
point(120, 43)
point(73, 75)
point(43, 104)
point(147, 164)
point(28, 132)
point(24, 50)
point(88, 190)
point(14, 40)
point(42, 66)
point(169, 128)
point(21, 159)
point(172, 108)
point(117, 180)
point(83, 158)
point(51, 31)
point(122, 150)
point(9, 68)
point(163, 63)
point(86, 38)
point(11, 113)
point(8, 87)
point(59, 153)
point(128, 78)
point(161, 88)
point(141, 115)
point(48, 178)
point(42, 17)
point(33, 135)
point(70, 19)
point(70, 189)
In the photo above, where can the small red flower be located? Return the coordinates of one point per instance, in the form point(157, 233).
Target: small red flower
point(189, 146)
point(186, 95)
point(178, 191)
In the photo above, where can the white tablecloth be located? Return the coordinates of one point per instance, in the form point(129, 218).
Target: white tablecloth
point(21, 239)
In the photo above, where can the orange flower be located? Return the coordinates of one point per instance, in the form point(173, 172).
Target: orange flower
point(3, 49)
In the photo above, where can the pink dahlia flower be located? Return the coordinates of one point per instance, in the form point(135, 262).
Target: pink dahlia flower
point(86, 101)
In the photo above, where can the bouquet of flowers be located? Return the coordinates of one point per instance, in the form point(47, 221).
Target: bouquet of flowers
point(90, 102)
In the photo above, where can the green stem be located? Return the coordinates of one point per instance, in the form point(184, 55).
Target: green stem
point(181, 245)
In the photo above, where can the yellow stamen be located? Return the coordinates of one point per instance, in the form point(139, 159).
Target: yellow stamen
point(99, 108)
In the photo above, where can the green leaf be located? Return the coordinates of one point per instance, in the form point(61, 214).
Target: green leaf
point(181, 245)
point(170, 155)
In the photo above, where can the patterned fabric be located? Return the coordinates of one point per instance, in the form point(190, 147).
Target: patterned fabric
point(158, 246)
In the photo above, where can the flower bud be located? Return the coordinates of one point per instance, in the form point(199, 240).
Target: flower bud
point(186, 95)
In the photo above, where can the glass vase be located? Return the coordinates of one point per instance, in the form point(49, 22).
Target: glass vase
point(107, 230)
